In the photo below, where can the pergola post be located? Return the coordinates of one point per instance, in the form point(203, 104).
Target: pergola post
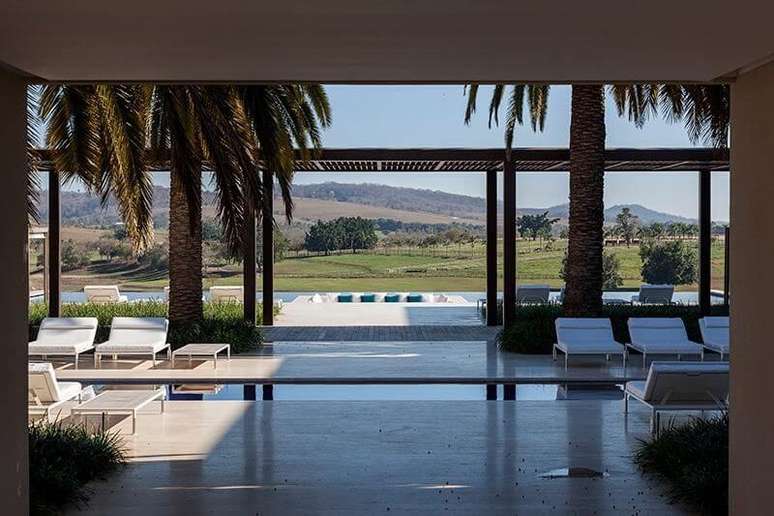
point(509, 244)
point(491, 247)
point(267, 235)
point(705, 240)
point(14, 296)
point(54, 245)
point(248, 266)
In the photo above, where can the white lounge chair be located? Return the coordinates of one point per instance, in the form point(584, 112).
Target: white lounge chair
point(654, 295)
point(532, 294)
point(135, 336)
point(715, 334)
point(103, 294)
point(45, 392)
point(64, 336)
point(227, 294)
point(586, 336)
point(661, 336)
point(680, 386)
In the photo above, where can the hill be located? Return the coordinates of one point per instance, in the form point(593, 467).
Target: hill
point(330, 200)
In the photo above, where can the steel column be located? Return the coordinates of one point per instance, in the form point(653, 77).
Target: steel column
point(705, 240)
point(248, 265)
point(54, 245)
point(267, 235)
point(509, 243)
point(491, 248)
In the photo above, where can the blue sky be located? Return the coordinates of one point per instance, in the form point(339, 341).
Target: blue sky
point(432, 116)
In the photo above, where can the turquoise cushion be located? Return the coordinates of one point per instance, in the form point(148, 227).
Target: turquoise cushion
point(345, 298)
point(367, 298)
point(414, 298)
point(391, 298)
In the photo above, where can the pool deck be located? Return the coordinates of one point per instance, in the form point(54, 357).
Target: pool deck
point(400, 362)
point(385, 457)
point(378, 314)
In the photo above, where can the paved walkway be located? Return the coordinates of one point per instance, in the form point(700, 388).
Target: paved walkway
point(378, 314)
point(380, 333)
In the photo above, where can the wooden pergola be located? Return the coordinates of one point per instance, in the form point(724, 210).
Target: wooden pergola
point(702, 161)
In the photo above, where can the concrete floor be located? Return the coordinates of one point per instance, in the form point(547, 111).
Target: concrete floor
point(387, 457)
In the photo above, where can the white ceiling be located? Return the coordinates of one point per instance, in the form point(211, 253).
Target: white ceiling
point(402, 41)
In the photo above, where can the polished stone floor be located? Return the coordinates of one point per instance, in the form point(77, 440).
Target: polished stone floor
point(364, 362)
point(386, 457)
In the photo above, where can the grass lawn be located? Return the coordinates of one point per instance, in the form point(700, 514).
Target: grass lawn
point(451, 269)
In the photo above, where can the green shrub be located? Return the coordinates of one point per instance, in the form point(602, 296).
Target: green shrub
point(223, 322)
point(692, 459)
point(534, 332)
point(672, 262)
point(63, 459)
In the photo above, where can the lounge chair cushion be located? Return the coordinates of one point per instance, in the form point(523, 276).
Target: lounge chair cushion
point(345, 298)
point(681, 382)
point(414, 298)
point(715, 333)
point(586, 336)
point(368, 298)
point(136, 335)
point(64, 336)
point(44, 388)
point(665, 335)
point(391, 298)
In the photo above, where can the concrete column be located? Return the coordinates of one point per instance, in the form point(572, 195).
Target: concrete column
point(14, 296)
point(752, 282)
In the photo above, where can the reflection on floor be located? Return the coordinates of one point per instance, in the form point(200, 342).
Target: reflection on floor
point(419, 457)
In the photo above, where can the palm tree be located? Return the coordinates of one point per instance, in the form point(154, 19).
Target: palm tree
point(97, 133)
point(102, 134)
point(704, 109)
point(233, 129)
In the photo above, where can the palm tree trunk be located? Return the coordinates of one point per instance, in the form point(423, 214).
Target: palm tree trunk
point(185, 246)
point(583, 292)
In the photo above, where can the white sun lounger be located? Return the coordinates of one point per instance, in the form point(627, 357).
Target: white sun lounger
point(135, 336)
point(528, 294)
point(227, 294)
point(64, 336)
point(661, 336)
point(654, 295)
point(103, 294)
point(680, 386)
point(715, 334)
point(586, 336)
point(45, 392)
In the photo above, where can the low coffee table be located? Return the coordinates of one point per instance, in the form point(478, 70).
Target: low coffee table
point(115, 402)
point(202, 350)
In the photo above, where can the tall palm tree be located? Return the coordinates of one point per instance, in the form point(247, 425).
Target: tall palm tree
point(232, 129)
point(703, 108)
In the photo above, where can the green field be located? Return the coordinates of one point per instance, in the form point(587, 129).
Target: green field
point(440, 269)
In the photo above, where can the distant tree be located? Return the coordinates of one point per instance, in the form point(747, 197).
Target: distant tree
point(211, 230)
point(74, 256)
point(626, 225)
point(672, 262)
point(357, 233)
point(535, 226)
point(157, 257)
point(323, 237)
point(110, 249)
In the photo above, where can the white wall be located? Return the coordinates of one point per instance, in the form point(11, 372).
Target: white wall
point(13, 297)
point(752, 288)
